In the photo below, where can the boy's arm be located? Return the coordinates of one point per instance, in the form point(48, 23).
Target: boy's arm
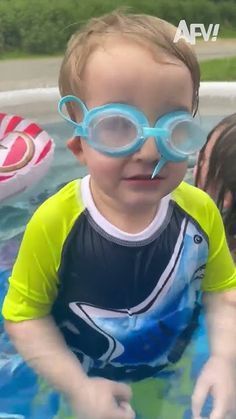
point(42, 346)
point(221, 319)
point(218, 376)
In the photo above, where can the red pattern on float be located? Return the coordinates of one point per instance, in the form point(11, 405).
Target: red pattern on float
point(26, 152)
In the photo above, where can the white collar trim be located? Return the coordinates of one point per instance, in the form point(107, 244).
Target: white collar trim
point(113, 230)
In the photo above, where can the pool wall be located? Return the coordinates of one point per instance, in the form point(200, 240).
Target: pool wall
point(40, 104)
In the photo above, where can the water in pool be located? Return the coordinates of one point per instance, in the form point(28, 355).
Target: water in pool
point(22, 394)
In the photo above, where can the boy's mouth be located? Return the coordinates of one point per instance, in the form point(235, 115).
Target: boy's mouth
point(144, 177)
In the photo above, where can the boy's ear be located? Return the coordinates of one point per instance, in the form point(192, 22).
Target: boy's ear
point(74, 145)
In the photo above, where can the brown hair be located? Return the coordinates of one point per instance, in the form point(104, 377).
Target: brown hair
point(149, 30)
point(224, 124)
point(222, 171)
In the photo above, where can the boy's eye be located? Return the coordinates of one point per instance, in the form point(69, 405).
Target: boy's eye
point(117, 123)
point(113, 131)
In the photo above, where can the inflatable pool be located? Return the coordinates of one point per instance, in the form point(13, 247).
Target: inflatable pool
point(23, 395)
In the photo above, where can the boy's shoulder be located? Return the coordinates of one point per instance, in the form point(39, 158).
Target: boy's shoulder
point(186, 190)
point(51, 223)
point(66, 203)
point(194, 201)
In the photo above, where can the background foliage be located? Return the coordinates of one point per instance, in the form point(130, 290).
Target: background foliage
point(44, 26)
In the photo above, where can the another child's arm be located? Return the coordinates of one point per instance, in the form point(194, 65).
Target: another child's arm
point(43, 348)
point(218, 376)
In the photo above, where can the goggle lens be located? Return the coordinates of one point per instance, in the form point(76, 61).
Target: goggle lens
point(113, 131)
point(186, 137)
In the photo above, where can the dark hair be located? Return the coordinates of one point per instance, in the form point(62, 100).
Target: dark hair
point(226, 122)
point(222, 170)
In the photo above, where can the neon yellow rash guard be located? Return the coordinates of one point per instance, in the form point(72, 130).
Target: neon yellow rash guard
point(125, 303)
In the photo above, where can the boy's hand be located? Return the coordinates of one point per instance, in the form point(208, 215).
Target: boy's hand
point(217, 378)
point(102, 399)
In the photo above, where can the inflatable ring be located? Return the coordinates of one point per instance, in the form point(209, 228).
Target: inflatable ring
point(26, 152)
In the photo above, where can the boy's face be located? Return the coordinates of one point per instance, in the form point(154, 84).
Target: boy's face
point(126, 72)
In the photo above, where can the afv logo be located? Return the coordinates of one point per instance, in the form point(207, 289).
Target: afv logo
point(196, 30)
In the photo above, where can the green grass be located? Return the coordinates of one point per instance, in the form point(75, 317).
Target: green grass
point(226, 32)
point(11, 55)
point(223, 69)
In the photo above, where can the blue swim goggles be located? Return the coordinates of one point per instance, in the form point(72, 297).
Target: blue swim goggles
point(118, 130)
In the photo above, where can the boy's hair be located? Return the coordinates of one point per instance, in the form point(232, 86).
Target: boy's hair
point(150, 31)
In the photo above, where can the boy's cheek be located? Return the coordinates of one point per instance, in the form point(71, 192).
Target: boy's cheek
point(105, 167)
point(178, 169)
point(99, 163)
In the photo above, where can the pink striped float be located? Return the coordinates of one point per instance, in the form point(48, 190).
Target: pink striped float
point(26, 152)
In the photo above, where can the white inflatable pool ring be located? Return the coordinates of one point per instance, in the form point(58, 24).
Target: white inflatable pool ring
point(26, 152)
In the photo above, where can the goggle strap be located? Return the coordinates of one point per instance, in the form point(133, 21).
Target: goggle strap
point(78, 131)
point(66, 99)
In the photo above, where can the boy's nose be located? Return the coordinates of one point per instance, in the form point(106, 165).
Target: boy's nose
point(148, 151)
